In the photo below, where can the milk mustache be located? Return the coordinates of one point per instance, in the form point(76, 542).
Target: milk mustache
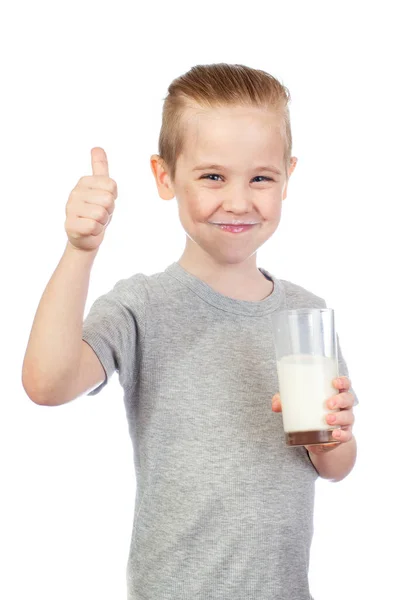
point(305, 386)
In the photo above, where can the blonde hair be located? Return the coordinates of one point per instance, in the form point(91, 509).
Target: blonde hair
point(219, 85)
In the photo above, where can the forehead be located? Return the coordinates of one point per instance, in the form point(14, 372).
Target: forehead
point(215, 134)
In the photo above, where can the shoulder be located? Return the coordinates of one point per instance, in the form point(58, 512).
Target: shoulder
point(132, 286)
point(139, 289)
point(127, 295)
point(297, 294)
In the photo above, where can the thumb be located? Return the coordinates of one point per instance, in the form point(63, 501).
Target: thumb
point(99, 162)
point(276, 403)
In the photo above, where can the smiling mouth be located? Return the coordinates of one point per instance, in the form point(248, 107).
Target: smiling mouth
point(234, 228)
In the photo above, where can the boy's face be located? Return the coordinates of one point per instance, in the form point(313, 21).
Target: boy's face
point(240, 140)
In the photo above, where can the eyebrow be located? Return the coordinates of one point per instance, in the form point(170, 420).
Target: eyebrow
point(221, 168)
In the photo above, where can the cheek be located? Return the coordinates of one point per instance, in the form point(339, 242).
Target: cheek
point(199, 202)
point(269, 209)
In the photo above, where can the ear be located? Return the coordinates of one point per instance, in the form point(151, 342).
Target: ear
point(294, 161)
point(162, 179)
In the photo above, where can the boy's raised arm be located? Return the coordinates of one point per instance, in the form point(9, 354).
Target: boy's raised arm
point(58, 365)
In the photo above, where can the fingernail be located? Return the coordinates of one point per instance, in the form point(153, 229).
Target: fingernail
point(332, 403)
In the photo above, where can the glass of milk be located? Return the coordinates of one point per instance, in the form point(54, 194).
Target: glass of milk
point(307, 363)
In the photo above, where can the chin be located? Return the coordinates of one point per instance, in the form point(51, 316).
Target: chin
point(230, 258)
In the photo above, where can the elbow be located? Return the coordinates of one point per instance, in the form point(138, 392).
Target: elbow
point(32, 394)
point(341, 477)
point(337, 479)
point(32, 390)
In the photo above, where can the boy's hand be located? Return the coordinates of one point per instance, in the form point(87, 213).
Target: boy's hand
point(345, 418)
point(90, 205)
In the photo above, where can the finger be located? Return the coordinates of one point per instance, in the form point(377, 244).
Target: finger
point(343, 418)
point(343, 435)
point(99, 162)
point(342, 383)
point(100, 198)
point(342, 400)
point(99, 182)
point(322, 448)
point(98, 213)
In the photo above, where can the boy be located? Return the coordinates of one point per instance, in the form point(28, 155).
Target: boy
point(224, 510)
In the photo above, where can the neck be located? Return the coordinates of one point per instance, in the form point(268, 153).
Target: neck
point(242, 281)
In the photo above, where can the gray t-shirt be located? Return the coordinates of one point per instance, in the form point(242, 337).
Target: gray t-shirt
point(223, 510)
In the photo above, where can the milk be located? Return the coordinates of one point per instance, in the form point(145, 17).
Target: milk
point(305, 383)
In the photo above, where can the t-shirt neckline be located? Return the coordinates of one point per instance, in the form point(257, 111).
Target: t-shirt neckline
point(244, 307)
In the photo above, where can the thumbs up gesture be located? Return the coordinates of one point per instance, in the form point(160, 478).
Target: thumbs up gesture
point(91, 204)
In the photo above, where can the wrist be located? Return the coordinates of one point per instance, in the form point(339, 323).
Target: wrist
point(88, 255)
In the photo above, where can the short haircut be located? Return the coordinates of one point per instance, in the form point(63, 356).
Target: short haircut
point(219, 85)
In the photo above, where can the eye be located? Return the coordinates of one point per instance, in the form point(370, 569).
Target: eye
point(210, 175)
point(262, 177)
point(216, 175)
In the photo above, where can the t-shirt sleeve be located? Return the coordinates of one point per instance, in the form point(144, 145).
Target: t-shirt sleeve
point(115, 330)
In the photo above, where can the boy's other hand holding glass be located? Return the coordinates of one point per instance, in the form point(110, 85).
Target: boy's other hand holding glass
point(345, 418)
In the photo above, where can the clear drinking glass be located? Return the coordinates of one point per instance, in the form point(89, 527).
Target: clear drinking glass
point(306, 352)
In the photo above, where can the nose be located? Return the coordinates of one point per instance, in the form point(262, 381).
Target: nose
point(237, 200)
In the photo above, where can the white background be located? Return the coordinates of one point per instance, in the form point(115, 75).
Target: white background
point(82, 74)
